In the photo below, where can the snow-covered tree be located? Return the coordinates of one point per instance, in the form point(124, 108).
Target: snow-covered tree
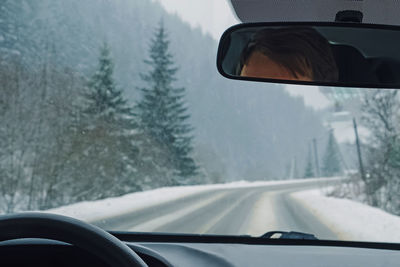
point(107, 139)
point(163, 113)
point(309, 169)
point(331, 165)
point(36, 114)
point(382, 152)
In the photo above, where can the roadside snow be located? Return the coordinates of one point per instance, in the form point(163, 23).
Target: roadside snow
point(105, 208)
point(351, 220)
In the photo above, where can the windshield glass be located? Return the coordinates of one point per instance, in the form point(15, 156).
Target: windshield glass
point(113, 112)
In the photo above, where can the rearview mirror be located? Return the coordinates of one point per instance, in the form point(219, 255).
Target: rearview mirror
point(327, 54)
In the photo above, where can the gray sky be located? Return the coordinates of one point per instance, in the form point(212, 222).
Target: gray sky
point(214, 17)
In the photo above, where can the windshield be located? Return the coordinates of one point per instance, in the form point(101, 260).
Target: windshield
point(113, 112)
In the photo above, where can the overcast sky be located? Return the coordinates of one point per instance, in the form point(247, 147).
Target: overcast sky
point(214, 17)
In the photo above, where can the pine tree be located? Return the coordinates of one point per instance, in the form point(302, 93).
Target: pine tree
point(309, 170)
point(109, 130)
point(331, 162)
point(163, 113)
point(104, 99)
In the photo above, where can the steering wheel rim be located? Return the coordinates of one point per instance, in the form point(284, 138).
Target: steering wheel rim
point(69, 230)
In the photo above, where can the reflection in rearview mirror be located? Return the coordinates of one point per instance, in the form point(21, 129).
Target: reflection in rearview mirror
point(291, 53)
point(330, 54)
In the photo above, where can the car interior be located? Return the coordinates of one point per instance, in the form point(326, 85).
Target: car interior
point(45, 239)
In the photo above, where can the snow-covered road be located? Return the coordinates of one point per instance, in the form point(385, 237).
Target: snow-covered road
point(239, 208)
point(252, 210)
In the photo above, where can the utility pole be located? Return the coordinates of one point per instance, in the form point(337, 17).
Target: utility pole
point(362, 173)
point(316, 157)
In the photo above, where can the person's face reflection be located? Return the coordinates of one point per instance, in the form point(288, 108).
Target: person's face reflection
point(260, 66)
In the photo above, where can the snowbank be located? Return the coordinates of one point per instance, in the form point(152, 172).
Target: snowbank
point(105, 208)
point(351, 220)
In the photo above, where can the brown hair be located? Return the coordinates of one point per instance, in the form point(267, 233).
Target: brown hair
point(301, 50)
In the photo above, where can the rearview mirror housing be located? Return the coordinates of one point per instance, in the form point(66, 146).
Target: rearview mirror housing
point(323, 54)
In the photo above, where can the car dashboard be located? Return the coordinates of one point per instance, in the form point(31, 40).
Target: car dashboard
point(208, 251)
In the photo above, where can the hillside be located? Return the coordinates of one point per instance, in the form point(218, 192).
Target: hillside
point(242, 130)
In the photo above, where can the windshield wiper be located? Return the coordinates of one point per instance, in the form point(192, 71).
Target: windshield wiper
point(288, 235)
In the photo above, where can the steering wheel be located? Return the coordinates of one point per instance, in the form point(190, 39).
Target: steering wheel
point(80, 234)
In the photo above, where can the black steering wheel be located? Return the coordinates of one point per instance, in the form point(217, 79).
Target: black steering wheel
point(80, 234)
